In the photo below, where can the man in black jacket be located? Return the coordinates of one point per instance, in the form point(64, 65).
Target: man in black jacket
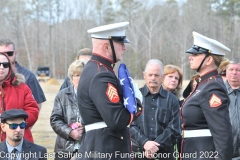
point(13, 122)
point(100, 98)
point(155, 132)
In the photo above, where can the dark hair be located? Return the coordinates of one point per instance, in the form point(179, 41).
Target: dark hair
point(84, 52)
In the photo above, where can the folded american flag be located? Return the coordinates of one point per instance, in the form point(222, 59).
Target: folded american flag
point(128, 89)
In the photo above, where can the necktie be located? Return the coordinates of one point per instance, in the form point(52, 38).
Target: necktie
point(14, 154)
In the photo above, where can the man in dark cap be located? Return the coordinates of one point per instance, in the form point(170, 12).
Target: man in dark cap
point(100, 98)
point(13, 122)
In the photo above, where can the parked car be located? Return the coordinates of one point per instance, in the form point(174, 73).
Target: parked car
point(43, 71)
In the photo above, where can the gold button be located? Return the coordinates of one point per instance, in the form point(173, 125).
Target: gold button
point(100, 64)
point(121, 138)
point(140, 109)
point(210, 78)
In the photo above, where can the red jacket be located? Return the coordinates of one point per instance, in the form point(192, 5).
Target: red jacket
point(20, 97)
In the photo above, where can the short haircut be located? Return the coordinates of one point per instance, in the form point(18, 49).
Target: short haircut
point(84, 52)
point(7, 42)
point(155, 61)
point(234, 61)
point(76, 67)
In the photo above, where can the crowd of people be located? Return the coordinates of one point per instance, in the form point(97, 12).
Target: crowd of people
point(89, 114)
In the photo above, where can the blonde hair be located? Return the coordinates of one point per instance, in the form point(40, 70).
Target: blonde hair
point(76, 67)
point(223, 66)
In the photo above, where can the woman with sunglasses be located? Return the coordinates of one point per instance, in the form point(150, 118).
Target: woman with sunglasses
point(15, 94)
point(207, 131)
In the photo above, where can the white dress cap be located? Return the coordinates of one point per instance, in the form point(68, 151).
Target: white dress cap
point(116, 32)
point(204, 44)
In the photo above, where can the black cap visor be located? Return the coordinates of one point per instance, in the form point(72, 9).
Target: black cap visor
point(197, 50)
point(122, 39)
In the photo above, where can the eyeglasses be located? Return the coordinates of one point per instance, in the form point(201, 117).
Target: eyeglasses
point(5, 64)
point(9, 53)
point(15, 125)
point(76, 75)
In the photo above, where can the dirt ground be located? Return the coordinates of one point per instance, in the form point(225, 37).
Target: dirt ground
point(42, 131)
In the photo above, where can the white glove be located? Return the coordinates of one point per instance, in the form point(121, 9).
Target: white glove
point(137, 92)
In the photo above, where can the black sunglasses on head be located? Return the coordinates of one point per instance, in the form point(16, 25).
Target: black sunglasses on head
point(15, 125)
point(9, 53)
point(5, 64)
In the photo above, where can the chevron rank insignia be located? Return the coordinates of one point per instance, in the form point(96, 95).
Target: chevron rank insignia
point(215, 101)
point(112, 93)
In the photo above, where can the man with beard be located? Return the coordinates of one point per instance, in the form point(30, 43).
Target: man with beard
point(15, 147)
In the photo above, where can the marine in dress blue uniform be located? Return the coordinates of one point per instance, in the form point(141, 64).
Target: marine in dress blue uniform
point(100, 100)
point(206, 124)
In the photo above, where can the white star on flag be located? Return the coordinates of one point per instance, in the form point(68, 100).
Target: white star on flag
point(130, 78)
point(121, 81)
point(131, 89)
point(126, 101)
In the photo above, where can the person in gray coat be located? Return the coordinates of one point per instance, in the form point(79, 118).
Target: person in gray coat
point(65, 118)
point(233, 88)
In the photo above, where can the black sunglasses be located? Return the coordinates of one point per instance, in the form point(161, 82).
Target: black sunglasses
point(5, 64)
point(15, 126)
point(9, 53)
